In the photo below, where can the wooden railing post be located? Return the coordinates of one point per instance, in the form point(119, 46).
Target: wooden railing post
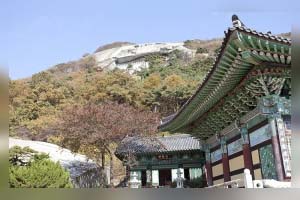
point(276, 149)
point(248, 163)
point(225, 160)
point(208, 166)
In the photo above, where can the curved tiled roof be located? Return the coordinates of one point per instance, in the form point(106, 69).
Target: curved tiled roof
point(139, 145)
point(189, 105)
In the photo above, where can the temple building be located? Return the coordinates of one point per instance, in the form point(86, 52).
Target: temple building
point(239, 118)
point(241, 112)
point(158, 161)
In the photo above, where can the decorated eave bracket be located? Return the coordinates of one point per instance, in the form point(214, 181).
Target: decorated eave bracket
point(274, 104)
point(242, 52)
point(264, 82)
point(256, 50)
point(268, 106)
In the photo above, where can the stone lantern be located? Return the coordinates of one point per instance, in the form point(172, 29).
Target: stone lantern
point(134, 182)
point(179, 179)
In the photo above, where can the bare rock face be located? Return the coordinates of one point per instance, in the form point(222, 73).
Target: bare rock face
point(112, 45)
point(133, 55)
point(122, 55)
point(84, 172)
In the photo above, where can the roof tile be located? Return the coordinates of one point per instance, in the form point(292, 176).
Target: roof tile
point(138, 145)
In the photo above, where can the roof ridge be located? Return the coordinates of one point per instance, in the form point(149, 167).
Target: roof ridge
point(175, 135)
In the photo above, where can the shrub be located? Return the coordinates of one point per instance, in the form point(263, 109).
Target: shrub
point(194, 183)
point(201, 50)
point(39, 172)
point(18, 155)
point(173, 184)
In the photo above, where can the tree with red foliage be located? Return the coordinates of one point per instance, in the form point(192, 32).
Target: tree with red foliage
point(92, 129)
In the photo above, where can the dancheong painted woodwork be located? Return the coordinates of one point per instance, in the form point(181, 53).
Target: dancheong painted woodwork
point(245, 101)
point(250, 65)
point(240, 114)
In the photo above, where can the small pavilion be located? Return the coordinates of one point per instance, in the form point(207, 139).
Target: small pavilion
point(159, 161)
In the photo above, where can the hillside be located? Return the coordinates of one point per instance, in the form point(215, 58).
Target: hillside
point(121, 55)
point(156, 76)
point(170, 77)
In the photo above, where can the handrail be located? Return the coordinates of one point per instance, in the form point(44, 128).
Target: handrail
point(248, 182)
point(233, 183)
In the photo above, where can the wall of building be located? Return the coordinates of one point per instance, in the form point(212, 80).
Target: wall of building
point(260, 141)
point(193, 174)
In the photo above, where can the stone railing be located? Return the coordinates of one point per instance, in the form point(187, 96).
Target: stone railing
point(249, 183)
point(230, 184)
point(270, 183)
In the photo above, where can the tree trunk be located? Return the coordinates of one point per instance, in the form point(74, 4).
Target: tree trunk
point(111, 169)
point(155, 108)
point(103, 159)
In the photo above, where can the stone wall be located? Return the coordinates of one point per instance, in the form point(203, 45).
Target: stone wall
point(93, 178)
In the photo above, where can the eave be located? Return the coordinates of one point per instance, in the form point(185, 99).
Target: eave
point(242, 50)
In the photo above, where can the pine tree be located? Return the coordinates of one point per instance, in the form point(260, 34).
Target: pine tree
point(38, 172)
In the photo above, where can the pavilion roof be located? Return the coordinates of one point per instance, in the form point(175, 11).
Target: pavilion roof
point(242, 49)
point(162, 144)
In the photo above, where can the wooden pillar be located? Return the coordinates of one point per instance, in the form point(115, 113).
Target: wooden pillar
point(209, 174)
point(225, 160)
point(226, 169)
point(248, 163)
point(208, 167)
point(276, 148)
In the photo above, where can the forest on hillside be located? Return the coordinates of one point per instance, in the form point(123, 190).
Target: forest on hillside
point(35, 103)
point(106, 106)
